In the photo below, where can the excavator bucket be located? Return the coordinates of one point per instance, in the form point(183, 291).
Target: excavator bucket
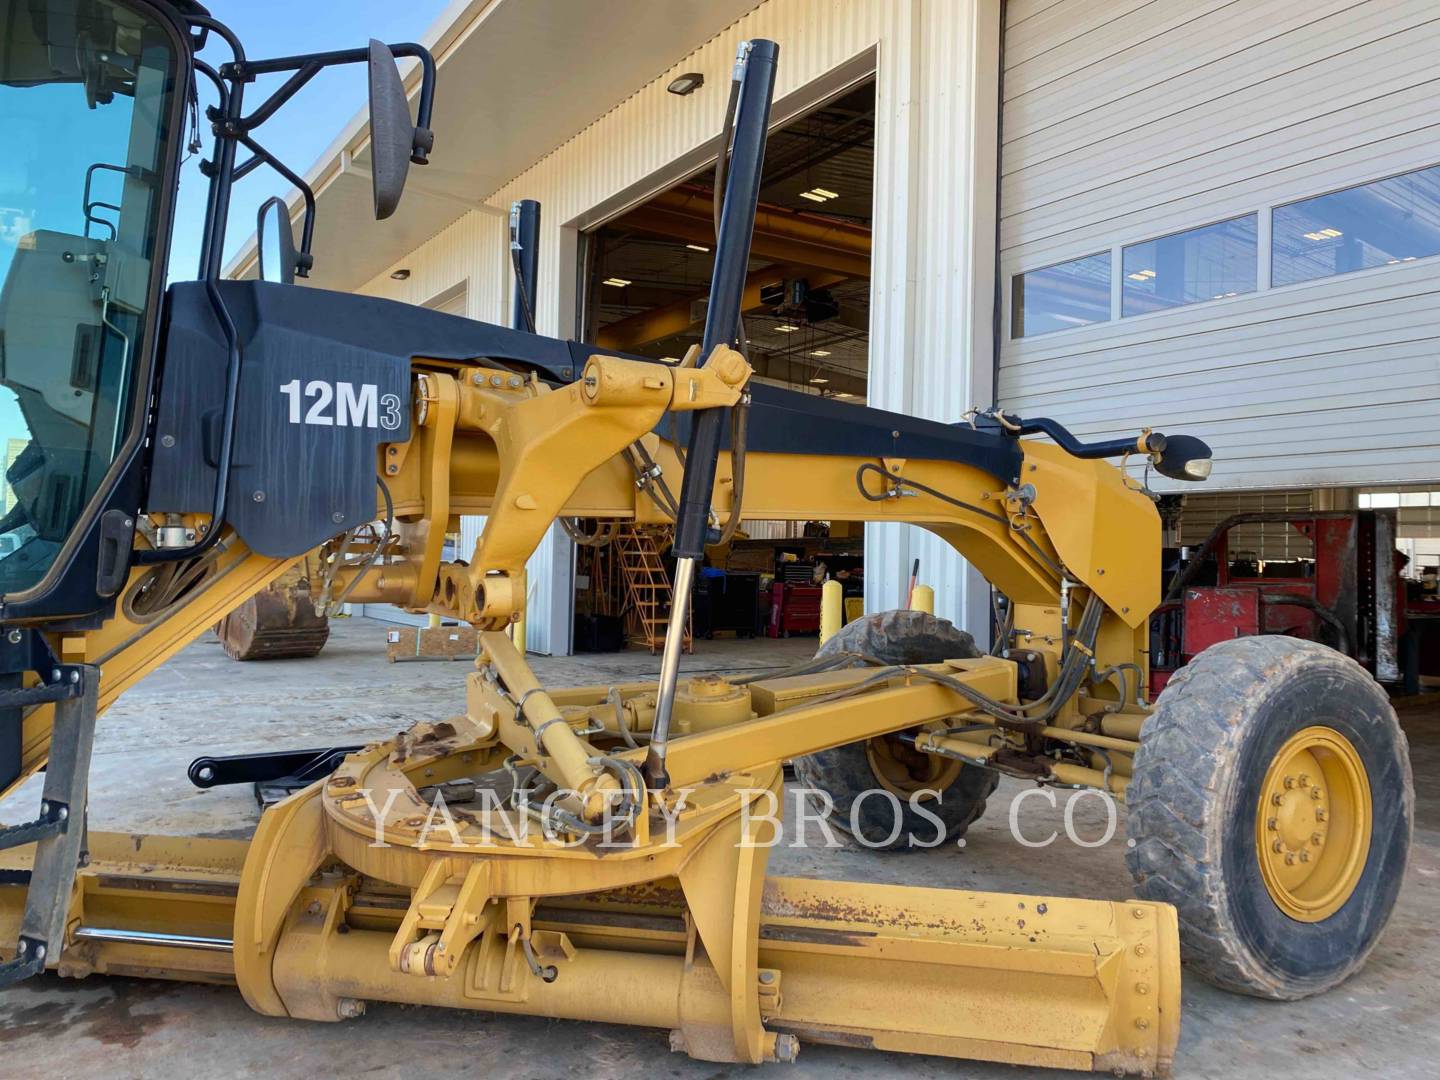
point(275, 624)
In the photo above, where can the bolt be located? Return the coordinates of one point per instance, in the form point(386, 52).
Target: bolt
point(22, 948)
point(766, 978)
point(1319, 813)
point(40, 953)
point(1289, 781)
point(1289, 859)
point(1272, 824)
point(313, 908)
point(1141, 1023)
point(259, 496)
point(1316, 839)
point(1304, 856)
point(1140, 950)
point(1278, 846)
point(349, 1008)
point(1277, 799)
point(337, 517)
point(1142, 989)
point(1138, 912)
point(167, 441)
point(15, 637)
point(516, 382)
point(55, 675)
point(1316, 794)
point(478, 379)
point(496, 380)
point(74, 676)
point(1304, 779)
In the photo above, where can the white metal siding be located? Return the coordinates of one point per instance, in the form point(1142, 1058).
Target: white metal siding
point(1126, 120)
point(933, 227)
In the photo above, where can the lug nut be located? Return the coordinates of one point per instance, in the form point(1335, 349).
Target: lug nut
point(1316, 839)
point(1289, 859)
point(1304, 779)
point(1316, 794)
point(1304, 856)
point(1319, 813)
point(1272, 824)
point(1276, 799)
point(1289, 781)
point(1278, 846)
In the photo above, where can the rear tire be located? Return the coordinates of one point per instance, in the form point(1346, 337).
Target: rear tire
point(847, 772)
point(1272, 804)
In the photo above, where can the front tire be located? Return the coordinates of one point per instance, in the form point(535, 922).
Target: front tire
point(848, 772)
point(1272, 804)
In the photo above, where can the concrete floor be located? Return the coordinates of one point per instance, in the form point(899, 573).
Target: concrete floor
point(1379, 1024)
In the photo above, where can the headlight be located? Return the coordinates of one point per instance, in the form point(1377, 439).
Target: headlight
point(1183, 457)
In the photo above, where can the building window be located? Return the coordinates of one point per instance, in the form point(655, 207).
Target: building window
point(1386, 222)
point(1207, 263)
point(1061, 297)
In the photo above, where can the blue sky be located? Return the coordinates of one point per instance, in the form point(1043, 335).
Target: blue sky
point(299, 133)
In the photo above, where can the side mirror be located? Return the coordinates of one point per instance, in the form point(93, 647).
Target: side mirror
point(276, 250)
point(392, 132)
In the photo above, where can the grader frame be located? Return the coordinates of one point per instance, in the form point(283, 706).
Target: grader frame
point(634, 891)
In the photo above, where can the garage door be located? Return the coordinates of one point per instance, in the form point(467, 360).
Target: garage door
point(1223, 217)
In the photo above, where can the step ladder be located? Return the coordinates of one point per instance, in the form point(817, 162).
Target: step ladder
point(648, 589)
point(58, 833)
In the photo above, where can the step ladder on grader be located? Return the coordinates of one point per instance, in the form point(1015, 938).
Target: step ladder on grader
point(612, 863)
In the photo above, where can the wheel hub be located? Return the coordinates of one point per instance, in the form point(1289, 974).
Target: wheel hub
point(1313, 824)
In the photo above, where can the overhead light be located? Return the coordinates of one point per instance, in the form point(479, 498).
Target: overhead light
point(399, 275)
point(820, 352)
point(697, 247)
point(819, 380)
point(786, 328)
point(1141, 275)
point(819, 194)
point(842, 394)
point(618, 282)
point(812, 196)
point(1323, 234)
point(826, 193)
point(686, 84)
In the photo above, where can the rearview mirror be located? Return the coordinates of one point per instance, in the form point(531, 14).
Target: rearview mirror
point(392, 132)
point(276, 251)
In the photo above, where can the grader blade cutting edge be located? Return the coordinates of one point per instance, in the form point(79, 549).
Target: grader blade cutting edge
point(1043, 981)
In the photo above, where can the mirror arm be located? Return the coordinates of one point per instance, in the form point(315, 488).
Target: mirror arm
point(306, 67)
point(291, 87)
point(303, 260)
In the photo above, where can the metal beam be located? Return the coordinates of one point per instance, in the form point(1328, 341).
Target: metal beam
point(786, 236)
point(675, 318)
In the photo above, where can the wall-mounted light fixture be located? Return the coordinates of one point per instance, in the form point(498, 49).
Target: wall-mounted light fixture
point(686, 84)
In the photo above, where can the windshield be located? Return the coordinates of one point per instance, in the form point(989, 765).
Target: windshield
point(85, 90)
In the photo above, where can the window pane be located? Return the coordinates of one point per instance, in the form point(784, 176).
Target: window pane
point(84, 91)
point(1185, 268)
point(1384, 500)
point(1059, 297)
point(1389, 221)
point(1415, 498)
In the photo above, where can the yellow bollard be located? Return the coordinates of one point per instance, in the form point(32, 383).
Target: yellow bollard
point(433, 623)
point(923, 599)
point(832, 609)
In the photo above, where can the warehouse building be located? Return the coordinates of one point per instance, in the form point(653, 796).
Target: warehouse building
point(1206, 216)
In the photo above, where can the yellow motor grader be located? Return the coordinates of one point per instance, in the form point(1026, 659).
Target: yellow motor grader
point(185, 447)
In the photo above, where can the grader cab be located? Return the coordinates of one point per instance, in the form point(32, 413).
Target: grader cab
point(187, 447)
